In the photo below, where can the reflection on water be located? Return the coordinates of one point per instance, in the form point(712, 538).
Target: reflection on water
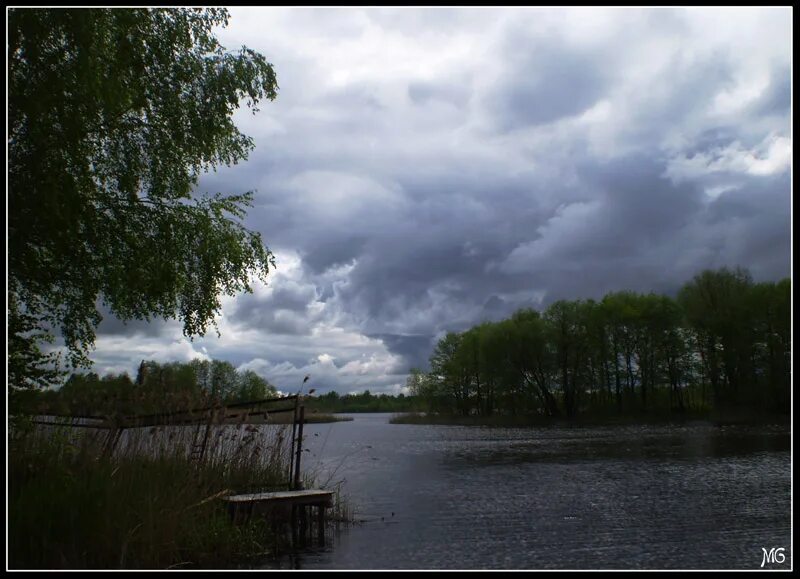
point(652, 497)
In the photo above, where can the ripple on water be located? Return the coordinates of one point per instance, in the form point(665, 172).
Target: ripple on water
point(691, 496)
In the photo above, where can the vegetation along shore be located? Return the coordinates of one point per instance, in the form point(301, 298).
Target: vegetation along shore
point(720, 350)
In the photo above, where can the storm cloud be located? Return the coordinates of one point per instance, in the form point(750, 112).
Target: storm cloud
point(424, 170)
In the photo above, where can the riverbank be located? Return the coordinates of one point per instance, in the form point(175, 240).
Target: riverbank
point(146, 507)
point(310, 418)
point(731, 417)
point(325, 418)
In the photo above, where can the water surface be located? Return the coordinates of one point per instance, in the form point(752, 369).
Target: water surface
point(636, 497)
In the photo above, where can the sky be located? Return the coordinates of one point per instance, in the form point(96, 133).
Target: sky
point(423, 170)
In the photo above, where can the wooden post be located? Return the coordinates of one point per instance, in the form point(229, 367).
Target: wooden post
point(321, 524)
point(292, 447)
point(303, 523)
point(297, 482)
point(293, 525)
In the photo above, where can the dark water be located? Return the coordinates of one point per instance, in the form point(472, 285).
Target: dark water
point(641, 497)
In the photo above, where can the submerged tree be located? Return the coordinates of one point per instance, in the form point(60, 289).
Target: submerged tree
point(113, 114)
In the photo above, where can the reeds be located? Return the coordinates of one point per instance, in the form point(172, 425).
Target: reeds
point(147, 505)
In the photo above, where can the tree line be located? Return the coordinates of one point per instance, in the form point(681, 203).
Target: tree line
point(333, 402)
point(723, 343)
point(157, 387)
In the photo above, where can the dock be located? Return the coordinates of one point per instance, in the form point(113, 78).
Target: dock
point(294, 504)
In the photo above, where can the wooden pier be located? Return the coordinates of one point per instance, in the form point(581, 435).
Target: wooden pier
point(284, 504)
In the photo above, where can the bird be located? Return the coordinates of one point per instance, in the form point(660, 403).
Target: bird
point(310, 392)
point(306, 379)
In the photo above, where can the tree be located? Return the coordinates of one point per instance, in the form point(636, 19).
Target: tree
point(621, 310)
point(28, 366)
point(113, 114)
point(567, 328)
point(771, 305)
point(643, 353)
point(524, 339)
point(251, 386)
point(716, 307)
point(450, 375)
point(417, 382)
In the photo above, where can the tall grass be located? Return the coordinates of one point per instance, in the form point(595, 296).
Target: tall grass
point(147, 505)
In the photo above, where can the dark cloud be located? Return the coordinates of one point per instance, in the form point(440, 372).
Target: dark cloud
point(751, 226)
point(641, 206)
point(425, 170)
point(113, 326)
point(413, 349)
point(777, 98)
point(323, 253)
point(688, 84)
point(546, 81)
point(714, 138)
point(283, 309)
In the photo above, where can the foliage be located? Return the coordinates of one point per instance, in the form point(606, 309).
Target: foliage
point(158, 388)
point(113, 114)
point(28, 366)
point(333, 402)
point(725, 343)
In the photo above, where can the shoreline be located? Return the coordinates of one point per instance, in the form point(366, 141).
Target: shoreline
point(500, 421)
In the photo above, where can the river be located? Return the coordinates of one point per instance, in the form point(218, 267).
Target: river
point(692, 496)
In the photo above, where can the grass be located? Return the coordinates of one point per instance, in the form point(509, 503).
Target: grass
point(321, 417)
point(146, 507)
point(310, 418)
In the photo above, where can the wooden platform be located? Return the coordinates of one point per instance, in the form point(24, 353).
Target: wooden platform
point(308, 497)
point(293, 505)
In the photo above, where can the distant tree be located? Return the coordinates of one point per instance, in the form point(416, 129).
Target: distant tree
point(223, 379)
point(517, 365)
point(716, 304)
point(158, 387)
point(640, 353)
point(113, 115)
point(449, 375)
point(421, 386)
point(621, 312)
point(566, 327)
point(251, 386)
point(417, 382)
point(771, 305)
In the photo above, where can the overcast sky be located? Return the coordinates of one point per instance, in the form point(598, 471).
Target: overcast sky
point(424, 170)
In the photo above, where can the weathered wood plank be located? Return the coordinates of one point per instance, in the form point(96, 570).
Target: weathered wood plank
point(307, 497)
point(281, 504)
